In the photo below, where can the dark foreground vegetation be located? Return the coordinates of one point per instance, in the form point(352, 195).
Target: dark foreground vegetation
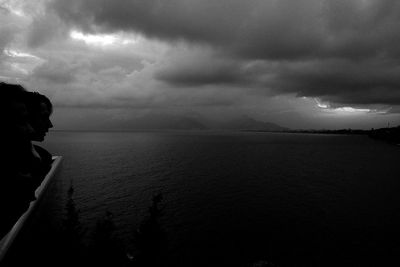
point(70, 244)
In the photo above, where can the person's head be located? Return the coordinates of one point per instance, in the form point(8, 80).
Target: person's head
point(40, 109)
point(14, 113)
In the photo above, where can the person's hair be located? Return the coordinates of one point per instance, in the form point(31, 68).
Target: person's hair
point(12, 95)
point(11, 92)
point(33, 100)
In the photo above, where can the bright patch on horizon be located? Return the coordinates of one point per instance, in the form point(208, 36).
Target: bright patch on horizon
point(353, 110)
point(347, 110)
point(321, 105)
point(101, 39)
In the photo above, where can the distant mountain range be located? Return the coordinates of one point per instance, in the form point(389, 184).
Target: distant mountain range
point(166, 122)
point(171, 122)
point(247, 123)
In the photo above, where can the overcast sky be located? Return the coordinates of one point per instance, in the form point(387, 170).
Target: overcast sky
point(301, 64)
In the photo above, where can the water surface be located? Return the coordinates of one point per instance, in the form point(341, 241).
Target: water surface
point(233, 198)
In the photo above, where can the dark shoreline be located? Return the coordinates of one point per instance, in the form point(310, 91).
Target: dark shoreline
point(389, 134)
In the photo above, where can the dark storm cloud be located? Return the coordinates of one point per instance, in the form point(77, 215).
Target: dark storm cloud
point(342, 81)
point(341, 51)
point(253, 28)
point(198, 71)
point(194, 77)
point(175, 19)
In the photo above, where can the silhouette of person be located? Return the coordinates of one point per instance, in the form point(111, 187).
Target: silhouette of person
point(16, 184)
point(25, 118)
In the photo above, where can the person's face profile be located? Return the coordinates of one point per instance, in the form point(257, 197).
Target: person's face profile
point(41, 123)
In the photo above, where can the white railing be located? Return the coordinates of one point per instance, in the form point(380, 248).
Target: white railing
point(7, 241)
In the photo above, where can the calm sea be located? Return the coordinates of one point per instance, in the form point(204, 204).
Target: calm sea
point(237, 198)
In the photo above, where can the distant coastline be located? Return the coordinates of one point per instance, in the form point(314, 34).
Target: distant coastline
point(320, 131)
point(155, 122)
point(389, 134)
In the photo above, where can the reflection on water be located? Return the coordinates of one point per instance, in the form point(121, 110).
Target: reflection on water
point(150, 239)
point(105, 248)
